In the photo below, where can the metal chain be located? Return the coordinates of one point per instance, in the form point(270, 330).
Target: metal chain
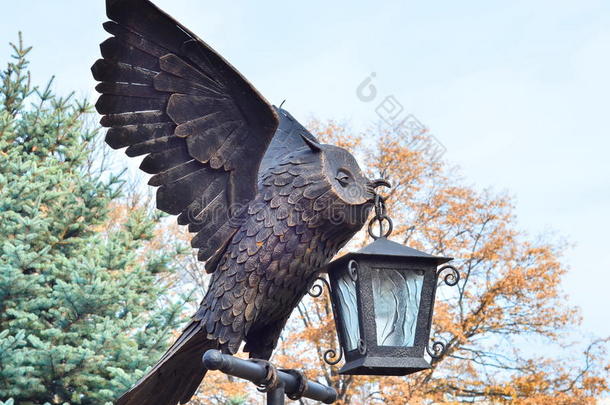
point(380, 217)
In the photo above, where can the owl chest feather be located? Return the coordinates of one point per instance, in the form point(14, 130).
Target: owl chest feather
point(285, 237)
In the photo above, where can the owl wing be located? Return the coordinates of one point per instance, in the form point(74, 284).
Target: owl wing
point(203, 127)
point(287, 138)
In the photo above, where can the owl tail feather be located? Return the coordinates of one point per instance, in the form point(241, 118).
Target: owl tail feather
point(176, 377)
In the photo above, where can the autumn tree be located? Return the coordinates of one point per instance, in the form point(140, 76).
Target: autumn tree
point(499, 322)
point(506, 312)
point(506, 325)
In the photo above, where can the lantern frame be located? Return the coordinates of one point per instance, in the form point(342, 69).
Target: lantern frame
point(369, 357)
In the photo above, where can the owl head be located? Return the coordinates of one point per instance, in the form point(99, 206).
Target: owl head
point(354, 192)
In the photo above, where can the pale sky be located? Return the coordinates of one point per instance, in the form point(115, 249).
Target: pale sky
point(516, 91)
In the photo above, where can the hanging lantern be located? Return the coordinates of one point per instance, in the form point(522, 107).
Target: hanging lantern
point(383, 298)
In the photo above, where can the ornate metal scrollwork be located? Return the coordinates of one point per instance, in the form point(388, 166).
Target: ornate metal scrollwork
point(331, 358)
point(362, 346)
point(352, 269)
point(317, 288)
point(452, 277)
point(436, 350)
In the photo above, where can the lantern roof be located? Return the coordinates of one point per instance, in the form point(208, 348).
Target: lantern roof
point(386, 247)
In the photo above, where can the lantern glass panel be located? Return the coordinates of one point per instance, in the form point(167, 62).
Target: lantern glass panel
point(396, 296)
point(348, 305)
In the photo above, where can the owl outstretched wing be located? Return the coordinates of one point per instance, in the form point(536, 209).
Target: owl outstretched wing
point(203, 127)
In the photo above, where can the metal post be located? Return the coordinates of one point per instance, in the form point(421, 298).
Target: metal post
point(256, 373)
point(276, 396)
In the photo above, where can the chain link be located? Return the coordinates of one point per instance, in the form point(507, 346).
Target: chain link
point(380, 218)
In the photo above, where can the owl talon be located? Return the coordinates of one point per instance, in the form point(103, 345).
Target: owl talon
point(271, 380)
point(301, 384)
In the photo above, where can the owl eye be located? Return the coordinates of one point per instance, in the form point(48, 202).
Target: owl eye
point(343, 177)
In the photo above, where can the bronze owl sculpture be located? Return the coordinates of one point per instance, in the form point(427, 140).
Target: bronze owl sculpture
point(269, 205)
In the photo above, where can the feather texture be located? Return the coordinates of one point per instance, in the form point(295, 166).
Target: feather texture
point(257, 196)
point(166, 94)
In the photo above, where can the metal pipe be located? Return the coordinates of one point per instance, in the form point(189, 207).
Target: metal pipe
point(256, 372)
point(276, 396)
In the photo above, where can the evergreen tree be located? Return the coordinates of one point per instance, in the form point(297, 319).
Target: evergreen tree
point(80, 314)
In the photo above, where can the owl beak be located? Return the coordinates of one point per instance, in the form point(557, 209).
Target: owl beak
point(379, 183)
point(373, 184)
